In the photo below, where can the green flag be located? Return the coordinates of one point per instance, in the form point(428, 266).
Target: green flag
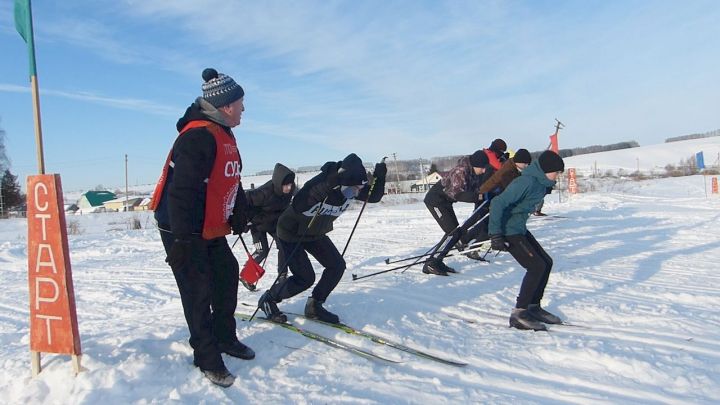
point(23, 23)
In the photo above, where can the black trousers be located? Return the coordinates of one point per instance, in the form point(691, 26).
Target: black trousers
point(208, 286)
point(303, 274)
point(479, 231)
point(262, 249)
point(537, 263)
point(444, 215)
point(446, 218)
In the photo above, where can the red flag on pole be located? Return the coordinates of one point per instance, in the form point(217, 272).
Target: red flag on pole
point(554, 143)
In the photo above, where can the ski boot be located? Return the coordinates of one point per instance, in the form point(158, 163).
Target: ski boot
point(269, 306)
point(237, 349)
point(520, 319)
point(434, 266)
point(249, 286)
point(537, 313)
point(315, 310)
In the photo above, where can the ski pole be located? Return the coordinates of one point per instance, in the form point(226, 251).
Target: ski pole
point(372, 187)
point(268, 255)
point(470, 220)
point(287, 259)
point(355, 277)
point(244, 245)
point(470, 248)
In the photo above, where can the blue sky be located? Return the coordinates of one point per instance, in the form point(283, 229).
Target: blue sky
point(322, 79)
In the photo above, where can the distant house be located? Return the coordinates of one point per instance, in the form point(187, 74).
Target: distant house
point(122, 203)
point(144, 204)
point(426, 183)
point(71, 208)
point(92, 201)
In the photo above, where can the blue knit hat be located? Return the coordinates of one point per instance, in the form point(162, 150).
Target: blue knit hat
point(220, 89)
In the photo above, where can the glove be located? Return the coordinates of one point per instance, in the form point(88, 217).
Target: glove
point(498, 242)
point(239, 222)
point(179, 253)
point(380, 170)
point(505, 156)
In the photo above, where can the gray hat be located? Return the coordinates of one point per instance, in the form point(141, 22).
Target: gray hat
point(220, 89)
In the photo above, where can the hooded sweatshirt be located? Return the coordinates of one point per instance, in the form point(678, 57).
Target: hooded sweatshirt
point(321, 198)
point(509, 211)
point(267, 202)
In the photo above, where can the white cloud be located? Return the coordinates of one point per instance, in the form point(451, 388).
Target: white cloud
point(145, 106)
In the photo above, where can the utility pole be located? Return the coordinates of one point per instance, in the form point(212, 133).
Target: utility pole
point(126, 184)
point(423, 176)
point(397, 175)
point(558, 126)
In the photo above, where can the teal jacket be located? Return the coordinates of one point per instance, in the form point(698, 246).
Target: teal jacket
point(510, 210)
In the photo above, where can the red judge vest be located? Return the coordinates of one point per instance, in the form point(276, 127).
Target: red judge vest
point(222, 185)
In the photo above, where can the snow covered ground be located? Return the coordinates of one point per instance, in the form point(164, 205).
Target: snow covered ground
point(649, 158)
point(637, 266)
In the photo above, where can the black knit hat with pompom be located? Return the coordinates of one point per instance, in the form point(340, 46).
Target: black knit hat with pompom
point(220, 89)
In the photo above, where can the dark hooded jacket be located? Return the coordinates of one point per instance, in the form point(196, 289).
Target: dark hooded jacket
point(322, 195)
point(501, 178)
point(267, 202)
point(509, 211)
point(182, 205)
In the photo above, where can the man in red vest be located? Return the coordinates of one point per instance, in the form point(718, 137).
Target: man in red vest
point(197, 201)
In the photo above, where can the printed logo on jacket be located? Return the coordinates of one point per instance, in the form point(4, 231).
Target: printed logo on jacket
point(327, 209)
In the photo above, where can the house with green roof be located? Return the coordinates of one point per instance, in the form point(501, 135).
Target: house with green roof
point(92, 201)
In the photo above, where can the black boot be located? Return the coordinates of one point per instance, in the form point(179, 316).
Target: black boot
point(315, 310)
point(520, 319)
point(475, 255)
point(542, 315)
point(434, 266)
point(269, 306)
point(221, 377)
point(237, 349)
point(249, 286)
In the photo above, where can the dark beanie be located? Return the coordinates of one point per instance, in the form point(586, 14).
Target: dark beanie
point(551, 162)
point(522, 156)
point(220, 89)
point(479, 159)
point(352, 172)
point(498, 146)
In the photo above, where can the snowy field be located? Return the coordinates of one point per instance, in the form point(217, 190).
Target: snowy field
point(637, 267)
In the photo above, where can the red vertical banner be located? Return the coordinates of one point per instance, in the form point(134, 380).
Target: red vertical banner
point(572, 181)
point(714, 185)
point(53, 318)
point(554, 143)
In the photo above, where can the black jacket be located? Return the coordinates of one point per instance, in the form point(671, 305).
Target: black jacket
point(267, 202)
point(182, 205)
point(322, 195)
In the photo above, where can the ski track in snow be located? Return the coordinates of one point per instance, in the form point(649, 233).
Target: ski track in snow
point(639, 272)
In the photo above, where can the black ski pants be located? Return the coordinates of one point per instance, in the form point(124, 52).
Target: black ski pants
point(303, 274)
point(537, 263)
point(208, 285)
point(262, 249)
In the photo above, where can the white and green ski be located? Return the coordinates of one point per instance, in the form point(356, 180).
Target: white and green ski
point(320, 338)
point(381, 340)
